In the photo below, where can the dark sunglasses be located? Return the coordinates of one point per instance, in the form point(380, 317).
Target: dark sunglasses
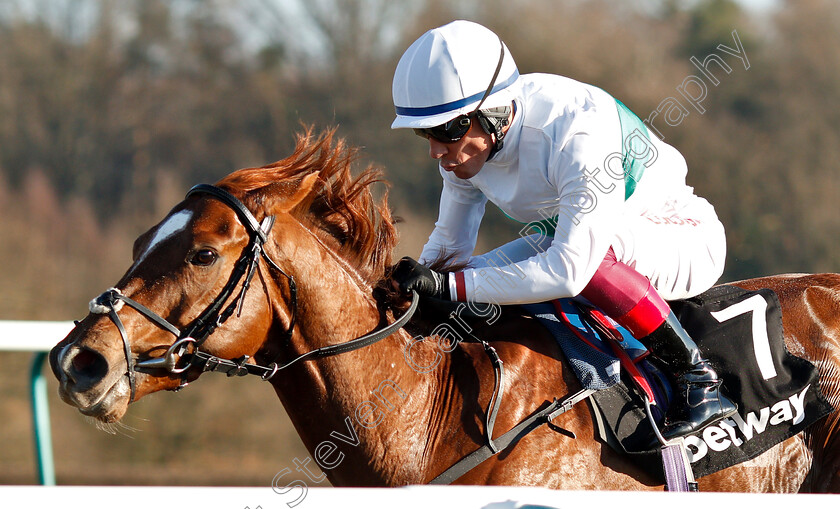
point(448, 132)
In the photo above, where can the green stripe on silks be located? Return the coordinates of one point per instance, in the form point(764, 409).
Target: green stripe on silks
point(633, 167)
point(545, 227)
point(630, 145)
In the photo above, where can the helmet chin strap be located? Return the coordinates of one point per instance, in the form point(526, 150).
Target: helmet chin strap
point(493, 122)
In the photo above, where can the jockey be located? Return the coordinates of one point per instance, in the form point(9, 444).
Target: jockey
point(616, 223)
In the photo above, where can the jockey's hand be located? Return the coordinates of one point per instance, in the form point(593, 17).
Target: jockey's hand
point(409, 275)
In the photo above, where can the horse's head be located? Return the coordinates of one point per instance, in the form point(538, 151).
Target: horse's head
point(189, 267)
point(213, 281)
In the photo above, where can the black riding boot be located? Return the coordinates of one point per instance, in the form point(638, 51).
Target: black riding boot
point(698, 400)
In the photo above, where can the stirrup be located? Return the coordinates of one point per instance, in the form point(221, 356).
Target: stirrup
point(678, 473)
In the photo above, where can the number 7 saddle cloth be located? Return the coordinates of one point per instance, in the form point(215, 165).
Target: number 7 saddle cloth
point(739, 331)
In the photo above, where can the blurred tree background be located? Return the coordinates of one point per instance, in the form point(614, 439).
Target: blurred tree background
point(111, 109)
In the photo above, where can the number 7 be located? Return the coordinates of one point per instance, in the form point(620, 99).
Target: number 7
point(761, 342)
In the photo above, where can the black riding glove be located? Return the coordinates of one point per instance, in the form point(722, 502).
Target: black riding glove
point(411, 275)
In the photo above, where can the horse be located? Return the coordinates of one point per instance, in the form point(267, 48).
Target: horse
point(314, 245)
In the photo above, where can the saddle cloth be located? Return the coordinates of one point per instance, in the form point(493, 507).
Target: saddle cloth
point(740, 332)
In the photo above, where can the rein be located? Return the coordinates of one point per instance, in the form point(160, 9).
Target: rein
point(112, 300)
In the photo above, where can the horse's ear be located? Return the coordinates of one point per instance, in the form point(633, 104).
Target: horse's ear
point(302, 192)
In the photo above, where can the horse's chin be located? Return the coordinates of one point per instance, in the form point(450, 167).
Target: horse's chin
point(110, 407)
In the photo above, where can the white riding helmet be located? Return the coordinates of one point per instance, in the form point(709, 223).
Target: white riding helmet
point(448, 71)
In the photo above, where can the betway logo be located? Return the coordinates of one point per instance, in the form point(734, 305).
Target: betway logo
point(736, 430)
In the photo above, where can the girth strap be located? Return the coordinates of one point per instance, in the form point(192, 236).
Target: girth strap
point(496, 399)
point(544, 416)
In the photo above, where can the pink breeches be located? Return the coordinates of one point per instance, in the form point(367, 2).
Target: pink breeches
point(626, 296)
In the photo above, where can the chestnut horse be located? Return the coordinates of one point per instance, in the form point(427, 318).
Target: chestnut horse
point(401, 410)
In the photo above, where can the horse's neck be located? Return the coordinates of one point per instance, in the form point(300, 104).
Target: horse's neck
point(369, 404)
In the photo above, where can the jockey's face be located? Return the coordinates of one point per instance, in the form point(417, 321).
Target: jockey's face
point(465, 157)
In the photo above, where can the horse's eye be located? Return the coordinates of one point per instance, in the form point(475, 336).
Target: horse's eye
point(204, 257)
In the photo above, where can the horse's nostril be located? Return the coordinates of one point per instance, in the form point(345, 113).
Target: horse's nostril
point(89, 364)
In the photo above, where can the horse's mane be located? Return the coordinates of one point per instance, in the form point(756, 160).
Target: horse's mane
point(338, 204)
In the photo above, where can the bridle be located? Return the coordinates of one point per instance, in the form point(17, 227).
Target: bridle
point(111, 301)
point(177, 360)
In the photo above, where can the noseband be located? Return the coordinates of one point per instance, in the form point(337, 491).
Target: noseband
point(111, 301)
